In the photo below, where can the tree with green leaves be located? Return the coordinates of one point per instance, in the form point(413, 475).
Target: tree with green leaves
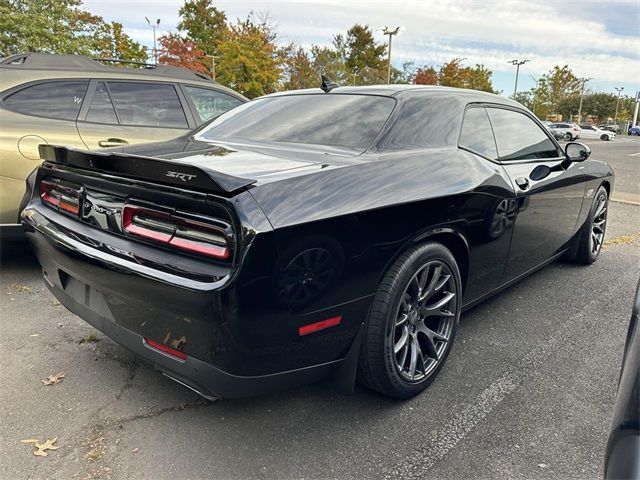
point(110, 41)
point(556, 85)
point(364, 57)
point(299, 71)
point(249, 58)
point(600, 105)
point(61, 26)
point(203, 24)
point(330, 62)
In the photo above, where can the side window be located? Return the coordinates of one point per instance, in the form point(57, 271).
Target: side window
point(59, 100)
point(476, 134)
point(518, 137)
point(101, 109)
point(147, 104)
point(426, 120)
point(210, 103)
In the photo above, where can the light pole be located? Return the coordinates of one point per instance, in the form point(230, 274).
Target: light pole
point(391, 33)
point(154, 26)
point(619, 90)
point(517, 63)
point(583, 82)
point(213, 65)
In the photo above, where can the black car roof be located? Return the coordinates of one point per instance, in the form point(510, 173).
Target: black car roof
point(394, 90)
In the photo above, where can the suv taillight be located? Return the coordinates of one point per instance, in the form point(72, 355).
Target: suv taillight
point(61, 197)
point(202, 236)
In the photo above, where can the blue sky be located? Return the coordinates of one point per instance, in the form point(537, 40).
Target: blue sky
point(599, 39)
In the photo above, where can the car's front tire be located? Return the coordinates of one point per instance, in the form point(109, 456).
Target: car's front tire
point(604, 138)
point(568, 137)
point(412, 322)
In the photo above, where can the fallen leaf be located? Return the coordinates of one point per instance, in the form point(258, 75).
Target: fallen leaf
point(53, 379)
point(19, 288)
point(41, 448)
point(135, 450)
point(34, 335)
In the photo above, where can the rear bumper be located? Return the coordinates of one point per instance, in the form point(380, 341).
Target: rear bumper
point(237, 343)
point(204, 378)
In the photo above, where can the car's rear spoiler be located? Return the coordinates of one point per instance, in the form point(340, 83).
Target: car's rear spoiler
point(146, 168)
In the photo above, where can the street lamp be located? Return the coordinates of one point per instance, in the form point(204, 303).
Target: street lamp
point(391, 33)
point(619, 90)
point(517, 63)
point(583, 82)
point(213, 65)
point(154, 26)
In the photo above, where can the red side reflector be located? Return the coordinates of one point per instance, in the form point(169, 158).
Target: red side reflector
point(165, 349)
point(321, 325)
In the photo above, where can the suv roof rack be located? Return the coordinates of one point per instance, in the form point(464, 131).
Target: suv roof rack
point(74, 62)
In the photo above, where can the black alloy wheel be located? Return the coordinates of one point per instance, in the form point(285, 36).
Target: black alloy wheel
point(592, 233)
point(412, 323)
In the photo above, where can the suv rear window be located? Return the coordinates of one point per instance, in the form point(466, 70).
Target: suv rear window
point(147, 104)
point(341, 120)
point(58, 100)
point(210, 103)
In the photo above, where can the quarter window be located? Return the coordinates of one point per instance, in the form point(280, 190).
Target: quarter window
point(210, 103)
point(147, 104)
point(476, 133)
point(101, 109)
point(518, 137)
point(59, 100)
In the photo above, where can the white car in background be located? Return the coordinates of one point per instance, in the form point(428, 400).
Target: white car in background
point(569, 131)
point(593, 132)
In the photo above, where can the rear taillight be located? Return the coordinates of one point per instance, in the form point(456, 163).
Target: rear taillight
point(60, 196)
point(203, 236)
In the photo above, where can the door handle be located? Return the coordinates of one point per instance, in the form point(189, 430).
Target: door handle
point(113, 142)
point(522, 182)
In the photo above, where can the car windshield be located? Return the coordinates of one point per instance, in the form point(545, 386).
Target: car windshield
point(335, 120)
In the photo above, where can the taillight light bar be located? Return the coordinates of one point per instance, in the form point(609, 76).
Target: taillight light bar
point(60, 196)
point(176, 231)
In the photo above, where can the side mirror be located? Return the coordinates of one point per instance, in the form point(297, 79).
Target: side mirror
point(576, 152)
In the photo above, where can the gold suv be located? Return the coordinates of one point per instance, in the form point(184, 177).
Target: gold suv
point(80, 102)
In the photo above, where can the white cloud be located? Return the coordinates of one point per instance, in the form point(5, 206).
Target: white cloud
point(489, 32)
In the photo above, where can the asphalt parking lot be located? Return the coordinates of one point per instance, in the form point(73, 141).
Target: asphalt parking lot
point(527, 392)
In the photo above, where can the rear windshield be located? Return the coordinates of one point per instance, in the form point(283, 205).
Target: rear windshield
point(337, 120)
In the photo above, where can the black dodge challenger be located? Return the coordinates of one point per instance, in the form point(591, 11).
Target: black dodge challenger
point(312, 233)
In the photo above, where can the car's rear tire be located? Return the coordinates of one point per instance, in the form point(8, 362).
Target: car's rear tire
point(412, 322)
point(592, 233)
